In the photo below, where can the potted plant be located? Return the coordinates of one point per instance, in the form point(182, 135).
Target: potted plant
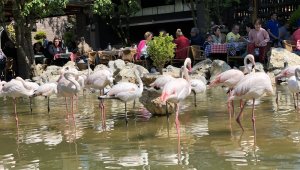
point(161, 50)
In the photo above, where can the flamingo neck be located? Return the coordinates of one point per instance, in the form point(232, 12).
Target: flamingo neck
point(69, 77)
point(141, 85)
point(297, 71)
point(24, 83)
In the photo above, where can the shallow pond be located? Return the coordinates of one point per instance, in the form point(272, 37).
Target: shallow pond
point(209, 139)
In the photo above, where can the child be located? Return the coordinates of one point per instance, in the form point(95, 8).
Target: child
point(208, 40)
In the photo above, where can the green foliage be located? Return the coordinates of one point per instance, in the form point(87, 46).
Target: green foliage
point(295, 16)
point(11, 32)
point(40, 35)
point(161, 49)
point(68, 37)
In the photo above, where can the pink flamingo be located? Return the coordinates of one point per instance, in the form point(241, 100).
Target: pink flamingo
point(176, 91)
point(67, 86)
point(16, 89)
point(231, 77)
point(252, 86)
point(46, 90)
point(125, 91)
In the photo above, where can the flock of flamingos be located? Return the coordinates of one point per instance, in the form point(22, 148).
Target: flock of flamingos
point(244, 86)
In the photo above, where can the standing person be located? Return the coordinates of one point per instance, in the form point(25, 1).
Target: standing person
point(234, 35)
point(296, 38)
point(273, 29)
point(217, 35)
point(142, 47)
point(196, 38)
point(258, 38)
point(182, 44)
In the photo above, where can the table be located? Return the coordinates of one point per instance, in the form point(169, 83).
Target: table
point(62, 56)
point(230, 48)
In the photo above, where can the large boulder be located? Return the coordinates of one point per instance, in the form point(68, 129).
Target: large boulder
point(70, 64)
point(126, 74)
point(258, 67)
point(202, 68)
point(39, 69)
point(116, 65)
point(217, 67)
point(150, 78)
point(278, 56)
point(171, 70)
point(151, 101)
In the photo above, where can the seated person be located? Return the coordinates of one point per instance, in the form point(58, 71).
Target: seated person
point(258, 38)
point(296, 38)
point(182, 44)
point(38, 48)
point(217, 35)
point(234, 35)
point(142, 47)
point(55, 48)
point(208, 40)
point(196, 38)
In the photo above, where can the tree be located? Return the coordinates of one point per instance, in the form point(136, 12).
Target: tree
point(117, 14)
point(25, 13)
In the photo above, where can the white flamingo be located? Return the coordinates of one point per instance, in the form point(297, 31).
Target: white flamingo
point(46, 90)
point(197, 86)
point(176, 91)
point(67, 86)
point(294, 86)
point(126, 91)
point(30, 85)
point(252, 86)
point(230, 78)
point(16, 89)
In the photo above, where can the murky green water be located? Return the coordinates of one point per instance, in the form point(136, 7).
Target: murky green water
point(209, 140)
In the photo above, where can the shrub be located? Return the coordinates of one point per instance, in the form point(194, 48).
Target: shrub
point(40, 35)
point(161, 50)
point(295, 16)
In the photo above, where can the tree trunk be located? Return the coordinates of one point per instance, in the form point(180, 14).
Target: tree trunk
point(202, 17)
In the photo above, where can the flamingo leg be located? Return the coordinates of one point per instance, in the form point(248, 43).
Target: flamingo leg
point(277, 97)
point(30, 105)
point(195, 98)
point(253, 118)
point(294, 100)
point(67, 108)
point(133, 104)
point(239, 116)
point(16, 115)
point(126, 114)
point(177, 121)
point(72, 103)
point(232, 105)
point(297, 103)
point(48, 104)
point(167, 112)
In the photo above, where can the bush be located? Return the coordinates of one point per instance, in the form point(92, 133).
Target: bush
point(161, 50)
point(40, 35)
point(295, 16)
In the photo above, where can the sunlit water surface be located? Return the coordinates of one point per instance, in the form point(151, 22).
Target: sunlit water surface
point(209, 139)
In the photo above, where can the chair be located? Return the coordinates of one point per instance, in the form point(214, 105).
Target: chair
point(128, 55)
point(195, 53)
point(105, 58)
point(289, 45)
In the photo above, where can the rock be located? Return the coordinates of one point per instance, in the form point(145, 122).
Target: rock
point(278, 56)
point(217, 67)
point(258, 67)
point(150, 78)
point(202, 68)
point(39, 69)
point(172, 71)
point(100, 67)
point(126, 74)
point(272, 77)
point(151, 101)
point(54, 70)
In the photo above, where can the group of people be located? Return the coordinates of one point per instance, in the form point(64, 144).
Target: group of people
point(257, 40)
point(49, 49)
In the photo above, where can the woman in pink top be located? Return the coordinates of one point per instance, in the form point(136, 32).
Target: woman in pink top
point(142, 47)
point(258, 38)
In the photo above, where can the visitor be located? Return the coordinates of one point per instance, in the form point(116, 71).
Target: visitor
point(296, 38)
point(55, 48)
point(234, 35)
point(38, 48)
point(273, 29)
point(208, 40)
point(83, 49)
point(258, 38)
point(182, 45)
point(217, 35)
point(142, 53)
point(196, 38)
point(284, 33)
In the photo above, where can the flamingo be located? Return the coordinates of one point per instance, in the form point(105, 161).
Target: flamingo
point(252, 86)
point(30, 85)
point(294, 85)
point(125, 91)
point(160, 82)
point(67, 86)
point(46, 90)
point(231, 77)
point(197, 86)
point(176, 91)
point(16, 89)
